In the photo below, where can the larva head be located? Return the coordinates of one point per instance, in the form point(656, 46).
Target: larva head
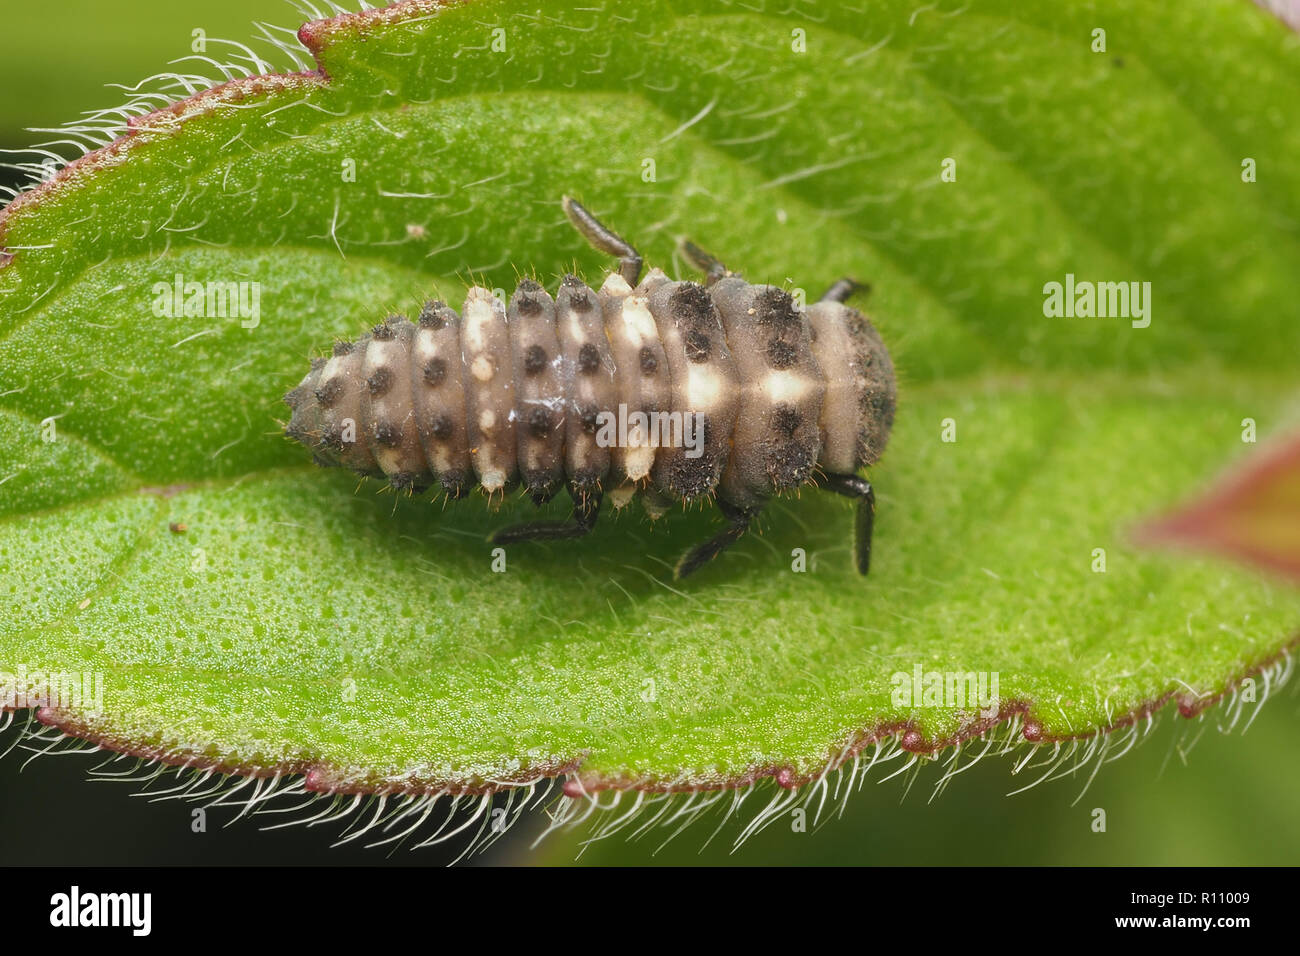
point(861, 392)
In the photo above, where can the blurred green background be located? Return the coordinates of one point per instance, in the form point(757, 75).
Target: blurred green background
point(58, 57)
point(1232, 801)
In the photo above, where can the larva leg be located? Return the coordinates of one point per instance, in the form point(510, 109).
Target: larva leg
point(853, 486)
point(603, 238)
point(841, 289)
point(585, 509)
point(705, 262)
point(697, 557)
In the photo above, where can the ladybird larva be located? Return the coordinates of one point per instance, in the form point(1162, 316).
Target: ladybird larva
point(666, 390)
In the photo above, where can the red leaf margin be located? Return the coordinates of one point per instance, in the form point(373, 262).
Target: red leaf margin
point(1251, 512)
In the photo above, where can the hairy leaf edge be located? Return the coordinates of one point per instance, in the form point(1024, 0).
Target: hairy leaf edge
point(328, 778)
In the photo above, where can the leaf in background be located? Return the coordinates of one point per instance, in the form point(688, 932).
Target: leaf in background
point(299, 625)
point(77, 47)
point(1252, 514)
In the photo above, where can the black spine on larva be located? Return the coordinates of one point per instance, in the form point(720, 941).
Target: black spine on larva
point(439, 398)
point(587, 374)
point(777, 436)
point(386, 405)
point(539, 391)
point(705, 388)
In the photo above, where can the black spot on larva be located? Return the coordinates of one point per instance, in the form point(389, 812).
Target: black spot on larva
point(781, 354)
point(539, 492)
point(317, 364)
point(580, 301)
point(789, 466)
point(579, 294)
point(812, 333)
point(330, 392)
point(588, 417)
point(388, 434)
point(692, 306)
point(539, 421)
point(775, 308)
point(584, 483)
point(457, 484)
point(402, 481)
point(878, 405)
point(435, 370)
point(429, 317)
point(588, 358)
point(380, 380)
point(332, 437)
point(785, 419)
point(384, 332)
point(649, 361)
point(343, 348)
point(691, 477)
point(441, 427)
point(534, 359)
point(528, 301)
point(697, 346)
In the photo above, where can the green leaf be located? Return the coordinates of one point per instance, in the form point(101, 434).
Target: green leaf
point(296, 623)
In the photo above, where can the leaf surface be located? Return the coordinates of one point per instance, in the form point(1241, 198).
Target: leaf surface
point(298, 623)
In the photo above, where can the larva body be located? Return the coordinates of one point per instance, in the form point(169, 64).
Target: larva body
point(544, 392)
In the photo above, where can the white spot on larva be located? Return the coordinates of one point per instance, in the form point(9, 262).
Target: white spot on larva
point(487, 419)
point(785, 386)
point(576, 330)
point(638, 463)
point(494, 479)
point(621, 496)
point(389, 459)
point(424, 346)
point(703, 388)
point(482, 369)
point(480, 310)
point(653, 276)
point(638, 322)
point(615, 284)
point(331, 369)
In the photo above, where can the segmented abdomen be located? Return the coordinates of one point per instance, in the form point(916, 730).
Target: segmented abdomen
point(504, 394)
